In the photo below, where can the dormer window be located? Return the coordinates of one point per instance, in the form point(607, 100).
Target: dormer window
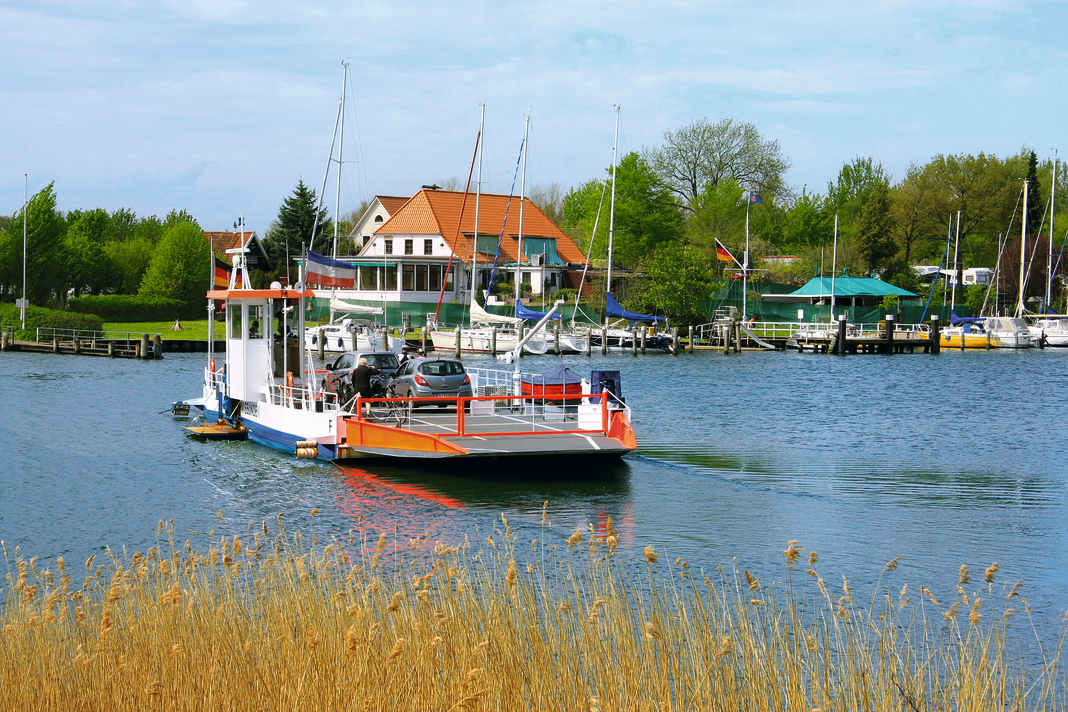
point(378, 218)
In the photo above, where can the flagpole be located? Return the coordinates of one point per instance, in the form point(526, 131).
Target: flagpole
point(745, 258)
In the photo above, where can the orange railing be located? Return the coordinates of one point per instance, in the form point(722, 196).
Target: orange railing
point(461, 417)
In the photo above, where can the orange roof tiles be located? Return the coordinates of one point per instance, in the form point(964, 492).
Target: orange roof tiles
point(391, 203)
point(436, 212)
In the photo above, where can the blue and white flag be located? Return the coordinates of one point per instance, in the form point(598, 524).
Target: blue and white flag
point(754, 197)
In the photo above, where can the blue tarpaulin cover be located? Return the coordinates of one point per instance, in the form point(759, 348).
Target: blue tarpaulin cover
point(557, 376)
point(954, 319)
point(613, 308)
point(523, 313)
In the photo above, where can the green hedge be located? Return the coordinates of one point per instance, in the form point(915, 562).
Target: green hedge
point(134, 307)
point(39, 316)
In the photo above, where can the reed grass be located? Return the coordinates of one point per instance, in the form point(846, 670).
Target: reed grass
point(271, 621)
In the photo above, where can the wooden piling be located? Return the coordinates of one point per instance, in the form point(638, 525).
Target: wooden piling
point(111, 349)
point(76, 345)
point(689, 337)
point(322, 345)
point(840, 347)
point(633, 344)
point(674, 341)
point(737, 337)
point(725, 335)
point(493, 341)
point(157, 347)
point(144, 346)
point(890, 333)
point(643, 339)
point(556, 338)
point(459, 331)
point(936, 335)
point(55, 345)
point(604, 339)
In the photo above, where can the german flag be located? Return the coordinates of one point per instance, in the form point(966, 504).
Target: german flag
point(222, 273)
point(723, 255)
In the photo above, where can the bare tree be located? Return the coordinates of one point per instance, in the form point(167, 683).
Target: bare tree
point(550, 199)
point(700, 155)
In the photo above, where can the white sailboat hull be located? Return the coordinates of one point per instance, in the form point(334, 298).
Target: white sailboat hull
point(480, 340)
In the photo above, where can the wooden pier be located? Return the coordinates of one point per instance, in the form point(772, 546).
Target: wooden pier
point(67, 341)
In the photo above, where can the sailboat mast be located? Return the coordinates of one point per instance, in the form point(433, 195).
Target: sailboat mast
point(340, 153)
point(522, 200)
point(956, 252)
point(1023, 239)
point(1049, 254)
point(834, 263)
point(478, 195)
point(612, 205)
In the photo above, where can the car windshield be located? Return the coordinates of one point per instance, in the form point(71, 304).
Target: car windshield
point(382, 360)
point(442, 368)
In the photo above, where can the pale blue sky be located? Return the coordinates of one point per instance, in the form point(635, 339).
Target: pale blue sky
point(219, 106)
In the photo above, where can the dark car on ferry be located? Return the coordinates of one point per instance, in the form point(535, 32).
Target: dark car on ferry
point(432, 378)
point(338, 377)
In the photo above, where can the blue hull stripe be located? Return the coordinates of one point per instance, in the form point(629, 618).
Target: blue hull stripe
point(279, 440)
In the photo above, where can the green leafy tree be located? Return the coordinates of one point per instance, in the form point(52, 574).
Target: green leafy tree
point(179, 265)
point(45, 258)
point(807, 224)
point(875, 229)
point(130, 260)
point(674, 281)
point(88, 265)
point(718, 213)
point(292, 230)
point(149, 229)
point(123, 225)
point(645, 217)
point(918, 206)
point(698, 156)
point(175, 217)
point(848, 193)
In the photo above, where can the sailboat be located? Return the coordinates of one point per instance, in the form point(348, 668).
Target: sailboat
point(489, 333)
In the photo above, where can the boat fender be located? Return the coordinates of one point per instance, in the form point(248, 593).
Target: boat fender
point(289, 379)
point(211, 365)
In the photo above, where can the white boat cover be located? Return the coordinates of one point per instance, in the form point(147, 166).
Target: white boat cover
point(352, 308)
point(481, 316)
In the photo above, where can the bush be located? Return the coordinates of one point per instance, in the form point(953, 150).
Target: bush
point(39, 316)
point(136, 307)
point(567, 294)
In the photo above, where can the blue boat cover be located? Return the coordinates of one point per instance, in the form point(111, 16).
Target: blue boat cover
point(613, 308)
point(523, 313)
point(561, 375)
point(954, 319)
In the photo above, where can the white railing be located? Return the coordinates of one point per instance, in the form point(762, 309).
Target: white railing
point(47, 333)
point(711, 332)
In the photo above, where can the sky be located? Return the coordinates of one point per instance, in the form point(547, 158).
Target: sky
point(219, 107)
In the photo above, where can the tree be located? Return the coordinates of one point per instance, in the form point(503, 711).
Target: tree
point(700, 155)
point(88, 266)
point(645, 217)
point(293, 228)
point(45, 256)
point(179, 264)
point(550, 200)
point(675, 281)
point(848, 193)
point(807, 224)
point(1035, 210)
point(875, 229)
point(916, 205)
point(123, 225)
point(149, 229)
point(130, 260)
point(175, 217)
point(718, 214)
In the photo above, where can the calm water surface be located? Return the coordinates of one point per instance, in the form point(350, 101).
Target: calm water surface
point(944, 460)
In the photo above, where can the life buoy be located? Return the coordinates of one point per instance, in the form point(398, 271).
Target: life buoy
point(211, 365)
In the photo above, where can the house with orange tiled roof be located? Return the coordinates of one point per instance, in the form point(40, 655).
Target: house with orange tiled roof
point(221, 241)
point(405, 261)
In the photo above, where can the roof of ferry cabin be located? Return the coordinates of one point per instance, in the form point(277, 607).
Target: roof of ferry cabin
point(436, 212)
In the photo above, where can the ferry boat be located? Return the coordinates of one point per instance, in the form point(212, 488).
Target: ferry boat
point(274, 395)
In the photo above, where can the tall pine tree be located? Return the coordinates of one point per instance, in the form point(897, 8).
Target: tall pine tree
point(1035, 208)
point(292, 230)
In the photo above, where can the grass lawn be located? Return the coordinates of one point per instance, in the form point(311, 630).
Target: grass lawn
point(197, 329)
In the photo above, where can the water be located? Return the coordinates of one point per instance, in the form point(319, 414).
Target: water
point(944, 460)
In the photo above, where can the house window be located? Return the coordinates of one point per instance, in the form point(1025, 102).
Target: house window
point(422, 278)
point(409, 247)
point(428, 247)
point(378, 218)
point(390, 274)
point(389, 246)
point(435, 277)
point(408, 278)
